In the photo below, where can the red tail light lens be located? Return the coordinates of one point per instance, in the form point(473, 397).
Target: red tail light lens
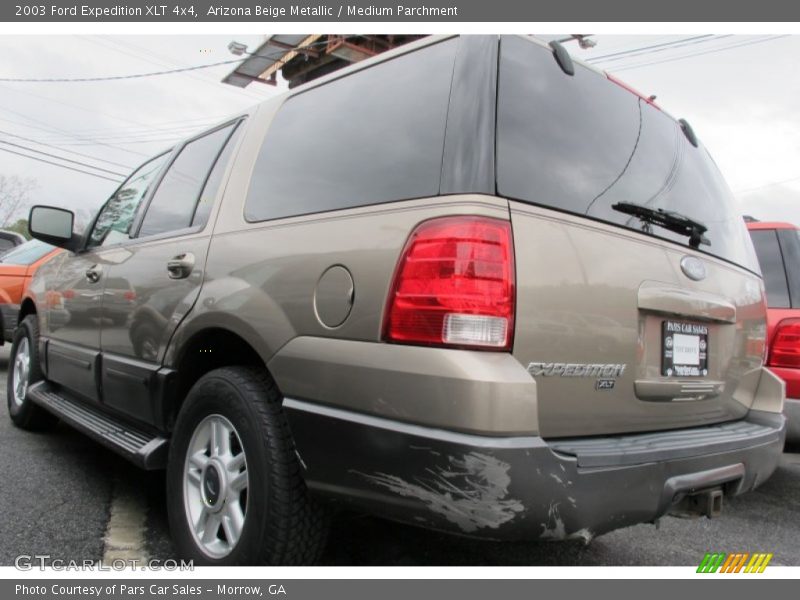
point(454, 285)
point(785, 348)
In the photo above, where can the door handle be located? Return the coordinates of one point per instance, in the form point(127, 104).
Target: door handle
point(94, 273)
point(180, 267)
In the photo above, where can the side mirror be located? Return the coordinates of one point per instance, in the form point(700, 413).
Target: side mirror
point(54, 226)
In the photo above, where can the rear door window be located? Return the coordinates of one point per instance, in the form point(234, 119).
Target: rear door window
point(173, 205)
point(770, 258)
point(376, 135)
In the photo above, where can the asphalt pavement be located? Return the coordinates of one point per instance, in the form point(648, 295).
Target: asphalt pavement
point(57, 490)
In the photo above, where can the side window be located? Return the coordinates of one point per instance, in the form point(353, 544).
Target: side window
point(212, 186)
point(374, 136)
point(113, 224)
point(174, 202)
point(771, 261)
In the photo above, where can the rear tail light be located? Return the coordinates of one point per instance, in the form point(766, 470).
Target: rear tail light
point(785, 348)
point(454, 285)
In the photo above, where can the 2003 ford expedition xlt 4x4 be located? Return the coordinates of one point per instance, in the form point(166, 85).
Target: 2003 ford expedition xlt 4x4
point(469, 284)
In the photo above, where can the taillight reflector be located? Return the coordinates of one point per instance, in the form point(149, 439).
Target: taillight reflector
point(785, 348)
point(454, 285)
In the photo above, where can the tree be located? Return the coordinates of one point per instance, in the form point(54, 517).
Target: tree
point(21, 227)
point(15, 196)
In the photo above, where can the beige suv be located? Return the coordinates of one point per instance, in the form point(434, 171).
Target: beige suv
point(471, 285)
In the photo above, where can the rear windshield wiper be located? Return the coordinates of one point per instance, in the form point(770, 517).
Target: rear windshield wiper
point(673, 221)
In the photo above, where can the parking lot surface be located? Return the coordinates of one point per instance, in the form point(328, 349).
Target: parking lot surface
point(60, 490)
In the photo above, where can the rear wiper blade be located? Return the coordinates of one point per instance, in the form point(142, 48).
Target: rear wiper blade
point(668, 219)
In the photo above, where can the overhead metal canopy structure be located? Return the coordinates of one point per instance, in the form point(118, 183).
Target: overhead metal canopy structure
point(303, 57)
point(263, 64)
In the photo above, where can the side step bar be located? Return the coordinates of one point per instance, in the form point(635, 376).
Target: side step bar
point(143, 449)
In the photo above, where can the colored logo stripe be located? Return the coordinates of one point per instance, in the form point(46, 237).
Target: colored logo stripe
point(711, 562)
point(734, 563)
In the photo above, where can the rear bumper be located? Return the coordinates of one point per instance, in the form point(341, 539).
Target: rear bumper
point(524, 487)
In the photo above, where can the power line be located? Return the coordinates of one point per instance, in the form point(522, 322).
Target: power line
point(69, 160)
point(115, 77)
point(277, 58)
point(150, 57)
point(122, 138)
point(767, 185)
point(58, 165)
point(654, 48)
point(27, 139)
point(50, 129)
point(701, 53)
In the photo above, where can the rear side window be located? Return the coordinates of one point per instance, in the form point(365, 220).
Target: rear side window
point(583, 143)
point(174, 202)
point(771, 259)
point(374, 136)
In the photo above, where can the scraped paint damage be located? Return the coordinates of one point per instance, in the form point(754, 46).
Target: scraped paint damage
point(554, 529)
point(470, 492)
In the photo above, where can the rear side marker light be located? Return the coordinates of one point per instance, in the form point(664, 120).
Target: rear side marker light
point(785, 348)
point(454, 285)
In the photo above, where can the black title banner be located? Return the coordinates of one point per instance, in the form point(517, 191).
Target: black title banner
point(533, 11)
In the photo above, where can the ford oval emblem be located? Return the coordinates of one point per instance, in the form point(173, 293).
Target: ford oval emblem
point(693, 268)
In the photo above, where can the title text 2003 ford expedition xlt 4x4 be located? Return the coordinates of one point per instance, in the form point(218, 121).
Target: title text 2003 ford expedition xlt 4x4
point(470, 285)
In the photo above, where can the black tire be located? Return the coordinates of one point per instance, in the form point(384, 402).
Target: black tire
point(26, 414)
point(283, 525)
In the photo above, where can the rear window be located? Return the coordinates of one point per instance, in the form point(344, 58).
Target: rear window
point(374, 136)
point(581, 144)
point(27, 253)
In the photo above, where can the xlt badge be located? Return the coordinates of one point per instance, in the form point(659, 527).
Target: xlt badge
point(606, 371)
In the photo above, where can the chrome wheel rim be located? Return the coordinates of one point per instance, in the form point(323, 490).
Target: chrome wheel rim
point(22, 370)
point(215, 484)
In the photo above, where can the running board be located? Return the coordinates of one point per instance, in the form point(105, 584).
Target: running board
point(143, 449)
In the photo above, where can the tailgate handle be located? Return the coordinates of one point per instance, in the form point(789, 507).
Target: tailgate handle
point(660, 298)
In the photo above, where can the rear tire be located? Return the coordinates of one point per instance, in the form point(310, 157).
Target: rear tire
point(235, 492)
point(24, 370)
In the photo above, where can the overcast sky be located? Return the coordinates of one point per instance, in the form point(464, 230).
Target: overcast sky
point(740, 93)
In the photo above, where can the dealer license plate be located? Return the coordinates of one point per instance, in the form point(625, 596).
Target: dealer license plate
point(684, 349)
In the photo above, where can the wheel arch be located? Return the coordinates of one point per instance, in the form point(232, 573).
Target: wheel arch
point(205, 349)
point(27, 307)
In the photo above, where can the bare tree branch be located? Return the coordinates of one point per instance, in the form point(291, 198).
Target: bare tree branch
point(15, 196)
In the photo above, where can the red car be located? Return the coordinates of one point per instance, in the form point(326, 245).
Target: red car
point(16, 270)
point(778, 249)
